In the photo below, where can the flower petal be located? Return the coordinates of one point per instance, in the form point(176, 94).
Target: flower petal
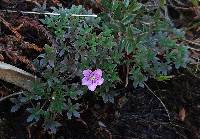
point(100, 81)
point(98, 72)
point(87, 73)
point(92, 87)
point(85, 81)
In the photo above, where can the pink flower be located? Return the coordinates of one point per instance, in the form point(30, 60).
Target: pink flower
point(92, 79)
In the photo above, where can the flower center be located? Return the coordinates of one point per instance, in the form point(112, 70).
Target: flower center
point(92, 78)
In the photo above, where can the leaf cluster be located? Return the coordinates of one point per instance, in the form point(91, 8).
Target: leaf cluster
point(126, 34)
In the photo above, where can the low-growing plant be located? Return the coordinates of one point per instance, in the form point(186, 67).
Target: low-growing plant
point(91, 52)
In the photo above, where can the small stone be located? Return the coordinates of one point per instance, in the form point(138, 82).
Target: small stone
point(1, 57)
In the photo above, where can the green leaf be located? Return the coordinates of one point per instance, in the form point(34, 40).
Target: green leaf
point(166, 42)
point(15, 108)
point(162, 3)
point(115, 5)
point(163, 78)
point(52, 126)
point(195, 2)
point(130, 48)
point(138, 77)
point(48, 49)
point(136, 30)
point(128, 19)
point(126, 3)
point(118, 13)
point(106, 4)
point(31, 118)
point(35, 114)
point(134, 6)
point(72, 110)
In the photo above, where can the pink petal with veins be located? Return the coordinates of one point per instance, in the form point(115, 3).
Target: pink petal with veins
point(92, 87)
point(98, 72)
point(87, 73)
point(85, 81)
point(100, 81)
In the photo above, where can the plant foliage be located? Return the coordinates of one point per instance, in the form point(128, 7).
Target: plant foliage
point(126, 33)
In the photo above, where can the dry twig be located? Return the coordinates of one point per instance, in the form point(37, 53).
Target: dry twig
point(11, 95)
point(16, 76)
point(164, 106)
point(46, 13)
point(14, 30)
